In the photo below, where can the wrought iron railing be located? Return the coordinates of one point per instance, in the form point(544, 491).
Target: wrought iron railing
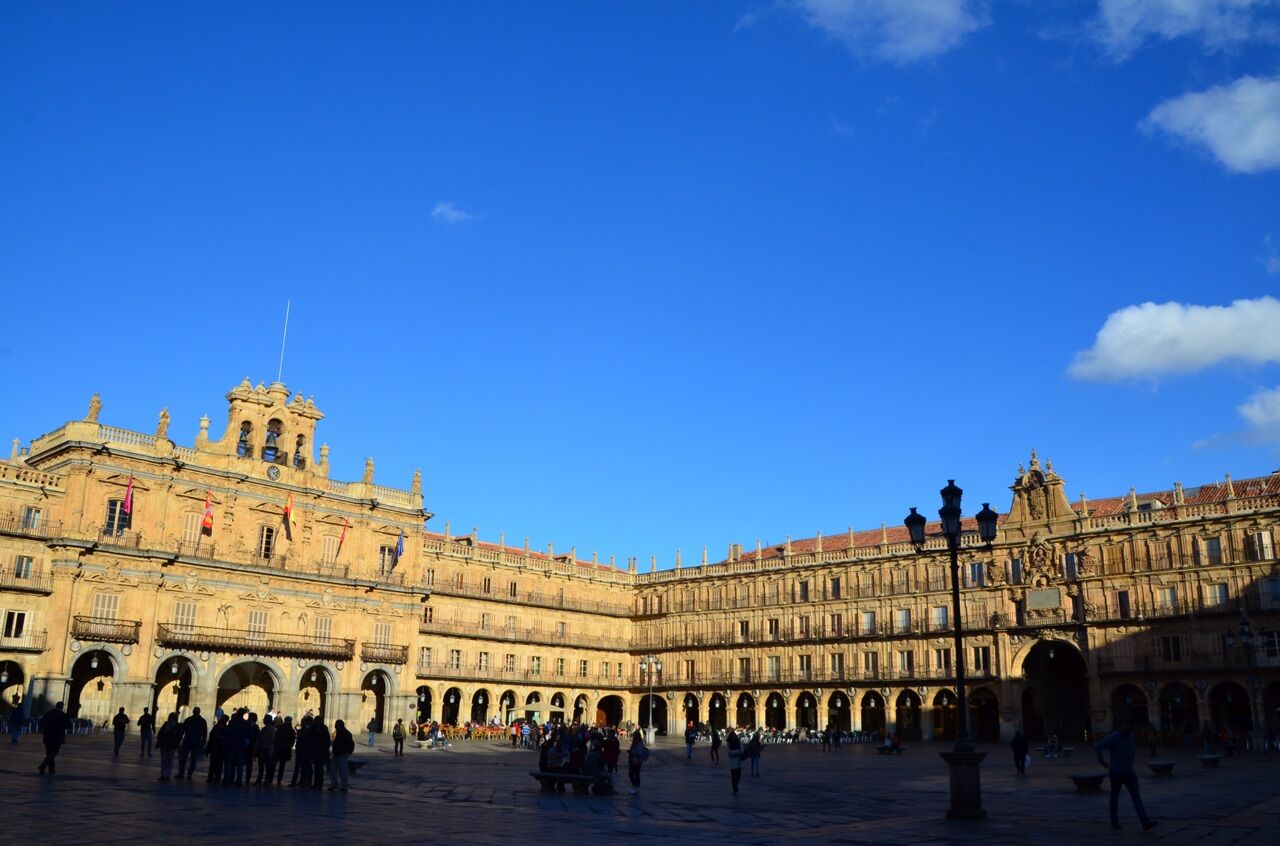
point(105, 630)
point(247, 642)
point(384, 653)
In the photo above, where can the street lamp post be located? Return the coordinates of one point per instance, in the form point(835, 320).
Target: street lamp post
point(1246, 645)
point(650, 666)
point(966, 785)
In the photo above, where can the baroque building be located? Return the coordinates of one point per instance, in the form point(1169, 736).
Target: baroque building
point(138, 573)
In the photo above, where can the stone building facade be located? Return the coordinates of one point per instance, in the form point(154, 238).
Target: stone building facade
point(138, 573)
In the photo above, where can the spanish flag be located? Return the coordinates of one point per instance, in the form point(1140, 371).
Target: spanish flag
point(288, 517)
point(342, 537)
point(206, 522)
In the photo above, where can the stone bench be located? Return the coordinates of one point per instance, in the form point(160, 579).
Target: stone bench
point(555, 781)
point(1088, 782)
point(1210, 760)
point(1161, 766)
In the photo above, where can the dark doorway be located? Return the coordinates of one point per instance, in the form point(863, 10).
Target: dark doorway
point(1229, 708)
point(1129, 703)
point(653, 711)
point(944, 715)
point(984, 715)
point(746, 716)
point(480, 707)
point(1056, 698)
point(452, 705)
point(908, 716)
point(717, 714)
point(1178, 713)
point(609, 711)
point(775, 712)
point(838, 716)
point(873, 714)
point(692, 713)
point(806, 711)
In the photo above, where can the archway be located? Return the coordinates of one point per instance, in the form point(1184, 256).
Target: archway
point(373, 700)
point(775, 712)
point(907, 716)
point(1056, 698)
point(507, 707)
point(717, 713)
point(692, 713)
point(1229, 708)
point(579, 708)
point(313, 690)
point(653, 711)
point(1179, 714)
point(838, 716)
point(1129, 703)
point(872, 715)
point(1271, 708)
point(450, 706)
point(945, 713)
point(250, 684)
point(423, 713)
point(13, 686)
point(984, 715)
point(92, 686)
point(172, 689)
point(480, 707)
point(532, 712)
point(745, 713)
point(807, 711)
point(609, 711)
point(557, 708)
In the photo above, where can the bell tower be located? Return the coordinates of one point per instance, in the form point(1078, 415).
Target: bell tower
point(1039, 501)
point(263, 424)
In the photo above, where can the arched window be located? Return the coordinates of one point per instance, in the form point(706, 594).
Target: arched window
point(299, 461)
point(271, 446)
point(244, 446)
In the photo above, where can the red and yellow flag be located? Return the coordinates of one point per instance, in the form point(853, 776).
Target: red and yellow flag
point(206, 522)
point(342, 537)
point(288, 510)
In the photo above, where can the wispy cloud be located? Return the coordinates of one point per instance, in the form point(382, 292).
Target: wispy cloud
point(1239, 123)
point(1262, 411)
point(448, 214)
point(897, 31)
point(1123, 26)
point(1271, 258)
point(1155, 339)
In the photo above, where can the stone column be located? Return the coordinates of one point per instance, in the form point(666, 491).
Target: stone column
point(43, 692)
point(927, 722)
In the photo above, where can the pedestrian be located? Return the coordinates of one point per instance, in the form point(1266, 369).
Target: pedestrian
point(525, 731)
point(715, 746)
point(54, 726)
point(612, 751)
point(826, 738)
point(237, 740)
point(302, 754)
point(285, 737)
point(690, 735)
point(195, 731)
point(146, 727)
point(264, 751)
point(397, 738)
point(753, 753)
point(735, 759)
point(343, 745)
point(216, 749)
point(320, 745)
point(1124, 749)
point(17, 719)
point(1019, 747)
point(167, 740)
point(373, 730)
point(120, 724)
point(637, 754)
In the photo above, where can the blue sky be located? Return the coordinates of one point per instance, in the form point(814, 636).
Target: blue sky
point(638, 276)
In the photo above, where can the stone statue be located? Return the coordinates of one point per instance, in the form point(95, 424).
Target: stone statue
point(95, 406)
point(162, 428)
point(417, 482)
point(368, 471)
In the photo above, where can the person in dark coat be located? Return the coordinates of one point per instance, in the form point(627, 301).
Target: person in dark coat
point(343, 745)
point(146, 729)
point(265, 750)
point(167, 740)
point(54, 726)
point(216, 749)
point(1019, 747)
point(302, 761)
point(237, 742)
point(319, 753)
point(285, 737)
point(120, 724)
point(195, 731)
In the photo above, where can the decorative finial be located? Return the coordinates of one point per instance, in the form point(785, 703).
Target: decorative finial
point(13, 454)
point(417, 482)
point(678, 561)
point(446, 531)
point(653, 563)
point(502, 540)
point(704, 555)
point(368, 471)
point(1179, 498)
point(1231, 489)
point(162, 426)
point(818, 543)
point(95, 407)
point(1035, 462)
point(788, 545)
point(1084, 505)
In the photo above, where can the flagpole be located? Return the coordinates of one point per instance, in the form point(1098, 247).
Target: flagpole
point(284, 337)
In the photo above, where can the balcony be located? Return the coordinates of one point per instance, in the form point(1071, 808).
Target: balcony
point(384, 653)
point(105, 630)
point(32, 582)
point(29, 642)
point(610, 609)
point(11, 524)
point(244, 642)
point(513, 634)
point(498, 674)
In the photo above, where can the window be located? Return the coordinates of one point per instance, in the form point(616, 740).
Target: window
point(424, 656)
point(329, 549)
point(775, 668)
point(804, 590)
point(906, 662)
point(535, 665)
point(257, 623)
point(561, 630)
point(15, 623)
point(976, 574)
point(688, 666)
point(1269, 643)
point(582, 668)
point(511, 590)
point(871, 664)
point(191, 527)
point(559, 666)
point(386, 559)
point(266, 541)
point(802, 626)
point(744, 669)
point(429, 576)
point(105, 605)
point(904, 620)
point(835, 587)
point(1122, 604)
point(619, 669)
point(455, 659)
point(1215, 595)
point(509, 663)
point(1271, 593)
point(604, 669)
point(482, 662)
point(1167, 600)
point(835, 623)
point(382, 634)
point(1159, 553)
point(868, 622)
point(1169, 648)
point(942, 660)
point(184, 615)
point(938, 617)
point(459, 581)
point(1069, 566)
point(982, 660)
point(486, 620)
point(1210, 552)
point(1261, 546)
point(22, 566)
point(117, 521)
point(837, 665)
point(1015, 571)
point(428, 614)
point(773, 628)
point(322, 631)
point(30, 517)
point(744, 631)
point(511, 626)
point(806, 666)
point(486, 585)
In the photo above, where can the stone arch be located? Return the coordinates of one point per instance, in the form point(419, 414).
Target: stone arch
point(807, 710)
point(873, 712)
point(984, 714)
point(252, 683)
point(92, 690)
point(376, 690)
point(507, 701)
point(744, 712)
point(651, 712)
point(691, 709)
point(775, 711)
point(316, 683)
point(174, 677)
point(907, 716)
point(1055, 695)
point(609, 710)
point(1017, 664)
point(718, 712)
point(1177, 710)
point(13, 687)
point(1129, 702)
point(838, 714)
point(580, 705)
point(945, 714)
point(1230, 710)
point(451, 706)
point(481, 702)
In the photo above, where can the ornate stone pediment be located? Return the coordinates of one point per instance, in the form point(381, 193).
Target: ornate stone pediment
point(327, 601)
point(112, 577)
point(190, 583)
point(262, 593)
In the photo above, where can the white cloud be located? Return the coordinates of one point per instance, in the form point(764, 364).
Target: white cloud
point(1262, 410)
point(1239, 122)
point(1153, 339)
point(1271, 261)
point(1125, 25)
point(898, 31)
point(448, 213)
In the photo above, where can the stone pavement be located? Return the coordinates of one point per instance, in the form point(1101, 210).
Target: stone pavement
point(479, 792)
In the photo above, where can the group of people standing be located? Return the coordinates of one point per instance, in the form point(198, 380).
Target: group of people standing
point(738, 750)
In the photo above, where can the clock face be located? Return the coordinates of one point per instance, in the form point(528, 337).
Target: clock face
point(273, 472)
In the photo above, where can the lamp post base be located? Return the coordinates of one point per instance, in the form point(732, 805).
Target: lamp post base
point(966, 785)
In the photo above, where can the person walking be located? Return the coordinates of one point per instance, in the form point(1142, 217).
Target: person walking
point(637, 754)
point(753, 753)
point(690, 735)
point(302, 754)
point(17, 721)
point(54, 726)
point(734, 745)
point(715, 746)
point(397, 738)
point(373, 730)
point(343, 745)
point(285, 737)
point(1124, 749)
point(146, 728)
point(167, 740)
point(216, 749)
point(1019, 747)
point(120, 725)
point(195, 731)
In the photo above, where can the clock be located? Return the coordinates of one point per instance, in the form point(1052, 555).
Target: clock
point(273, 473)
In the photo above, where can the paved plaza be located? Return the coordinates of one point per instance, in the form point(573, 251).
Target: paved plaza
point(479, 792)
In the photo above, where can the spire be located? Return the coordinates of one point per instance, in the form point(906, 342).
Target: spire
point(653, 563)
point(884, 535)
point(526, 544)
point(613, 564)
point(704, 555)
point(446, 531)
point(13, 453)
point(551, 550)
point(1231, 489)
point(851, 535)
point(595, 557)
point(502, 540)
point(788, 545)
point(818, 543)
point(759, 550)
point(677, 558)
point(1132, 504)
point(1084, 505)
point(1179, 498)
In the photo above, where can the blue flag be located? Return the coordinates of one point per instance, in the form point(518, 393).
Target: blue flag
point(400, 546)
